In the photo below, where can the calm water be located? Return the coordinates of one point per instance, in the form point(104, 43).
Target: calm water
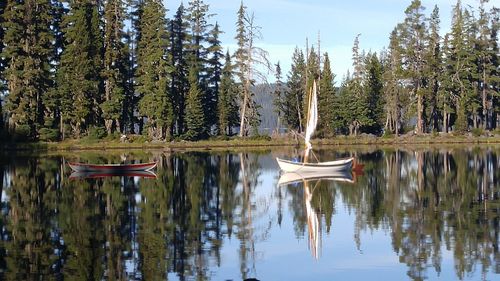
point(408, 214)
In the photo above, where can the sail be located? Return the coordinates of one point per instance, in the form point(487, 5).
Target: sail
point(312, 117)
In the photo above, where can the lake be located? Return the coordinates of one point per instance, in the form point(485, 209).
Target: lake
point(407, 213)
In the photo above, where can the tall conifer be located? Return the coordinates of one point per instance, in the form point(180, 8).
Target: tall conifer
point(326, 99)
point(195, 122)
point(28, 47)
point(78, 77)
point(153, 68)
point(179, 53)
point(115, 66)
point(294, 95)
point(227, 104)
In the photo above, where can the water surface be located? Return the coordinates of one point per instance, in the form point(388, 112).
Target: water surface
point(408, 214)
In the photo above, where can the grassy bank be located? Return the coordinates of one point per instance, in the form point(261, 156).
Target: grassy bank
point(108, 144)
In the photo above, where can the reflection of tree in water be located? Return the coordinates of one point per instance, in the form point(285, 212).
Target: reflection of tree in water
point(119, 228)
point(436, 197)
point(31, 205)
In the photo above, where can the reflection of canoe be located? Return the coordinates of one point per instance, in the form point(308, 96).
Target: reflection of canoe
point(93, 175)
point(340, 176)
point(337, 165)
point(82, 167)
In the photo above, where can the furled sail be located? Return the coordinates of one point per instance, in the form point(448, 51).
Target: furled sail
point(312, 117)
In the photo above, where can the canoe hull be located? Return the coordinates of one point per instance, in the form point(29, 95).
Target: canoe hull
point(100, 174)
point(81, 167)
point(295, 177)
point(330, 166)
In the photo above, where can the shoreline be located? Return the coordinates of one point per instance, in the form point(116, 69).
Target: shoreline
point(83, 145)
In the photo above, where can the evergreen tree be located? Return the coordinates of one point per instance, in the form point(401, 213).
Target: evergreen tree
point(413, 36)
point(326, 100)
point(392, 86)
point(227, 106)
point(28, 46)
point(52, 99)
point(179, 84)
point(115, 66)
point(152, 75)
point(458, 65)
point(195, 122)
point(432, 70)
point(78, 77)
point(486, 67)
point(214, 67)
point(495, 74)
point(293, 99)
point(374, 90)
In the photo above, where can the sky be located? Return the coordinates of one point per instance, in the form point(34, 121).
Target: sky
point(287, 23)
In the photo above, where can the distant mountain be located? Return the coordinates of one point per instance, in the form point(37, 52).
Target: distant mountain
point(265, 99)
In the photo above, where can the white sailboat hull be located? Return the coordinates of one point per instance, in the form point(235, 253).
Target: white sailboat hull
point(295, 177)
point(330, 166)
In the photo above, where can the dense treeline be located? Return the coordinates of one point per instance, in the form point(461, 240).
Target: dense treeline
point(70, 69)
point(423, 81)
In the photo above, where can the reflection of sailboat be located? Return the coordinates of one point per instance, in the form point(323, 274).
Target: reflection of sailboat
point(93, 175)
point(312, 223)
point(296, 177)
point(312, 121)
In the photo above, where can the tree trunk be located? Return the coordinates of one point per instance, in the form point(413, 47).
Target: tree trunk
point(445, 121)
point(485, 105)
point(242, 118)
point(420, 109)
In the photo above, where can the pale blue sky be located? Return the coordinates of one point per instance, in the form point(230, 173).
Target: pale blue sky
point(286, 24)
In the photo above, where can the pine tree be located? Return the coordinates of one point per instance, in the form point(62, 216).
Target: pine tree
point(326, 100)
point(485, 61)
point(152, 75)
point(432, 70)
point(195, 117)
point(28, 46)
point(227, 107)
point(374, 90)
point(78, 77)
point(495, 74)
point(413, 46)
point(115, 66)
point(392, 88)
point(293, 99)
point(458, 67)
point(52, 99)
point(179, 52)
point(214, 67)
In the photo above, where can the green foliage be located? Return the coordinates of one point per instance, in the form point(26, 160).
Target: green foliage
point(153, 68)
point(227, 107)
point(97, 133)
point(115, 66)
point(294, 94)
point(195, 118)
point(477, 132)
point(78, 77)
point(326, 100)
point(27, 47)
point(47, 134)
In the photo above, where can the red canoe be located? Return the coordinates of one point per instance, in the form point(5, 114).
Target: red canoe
point(82, 167)
point(105, 174)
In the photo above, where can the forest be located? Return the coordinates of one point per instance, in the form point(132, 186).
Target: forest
point(71, 69)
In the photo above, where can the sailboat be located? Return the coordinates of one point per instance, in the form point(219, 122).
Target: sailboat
point(307, 167)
